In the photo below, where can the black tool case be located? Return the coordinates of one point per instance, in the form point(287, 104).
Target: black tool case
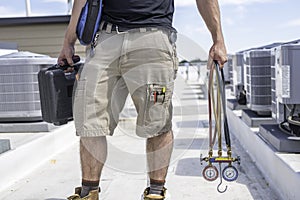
point(56, 88)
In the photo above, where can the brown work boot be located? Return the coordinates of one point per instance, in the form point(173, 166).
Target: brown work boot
point(93, 195)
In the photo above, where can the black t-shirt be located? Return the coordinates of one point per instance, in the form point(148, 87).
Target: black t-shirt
point(139, 13)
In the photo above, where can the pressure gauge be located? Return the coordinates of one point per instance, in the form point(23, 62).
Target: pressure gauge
point(210, 173)
point(230, 173)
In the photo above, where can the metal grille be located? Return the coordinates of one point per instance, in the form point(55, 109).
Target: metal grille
point(258, 79)
point(19, 92)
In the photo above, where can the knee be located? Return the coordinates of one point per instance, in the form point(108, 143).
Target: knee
point(166, 134)
point(163, 139)
point(92, 141)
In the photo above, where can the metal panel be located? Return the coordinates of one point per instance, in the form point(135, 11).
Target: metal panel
point(238, 73)
point(287, 74)
point(228, 69)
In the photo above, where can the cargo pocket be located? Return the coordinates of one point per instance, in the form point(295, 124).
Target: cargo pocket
point(79, 105)
point(156, 108)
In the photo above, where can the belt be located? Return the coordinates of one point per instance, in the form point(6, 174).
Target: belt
point(109, 28)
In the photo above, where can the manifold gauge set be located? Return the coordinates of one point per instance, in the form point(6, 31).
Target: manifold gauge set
point(217, 113)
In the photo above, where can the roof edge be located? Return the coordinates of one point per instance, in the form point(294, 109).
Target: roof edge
point(13, 21)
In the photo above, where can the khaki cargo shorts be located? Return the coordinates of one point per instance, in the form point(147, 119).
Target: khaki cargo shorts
point(140, 63)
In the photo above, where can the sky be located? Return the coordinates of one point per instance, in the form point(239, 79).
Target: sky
point(245, 23)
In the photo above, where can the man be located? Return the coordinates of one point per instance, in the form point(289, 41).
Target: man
point(135, 53)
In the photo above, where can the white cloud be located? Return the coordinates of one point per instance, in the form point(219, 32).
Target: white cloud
point(243, 2)
point(201, 29)
point(228, 21)
point(238, 15)
point(241, 11)
point(182, 3)
point(55, 1)
point(293, 23)
point(8, 12)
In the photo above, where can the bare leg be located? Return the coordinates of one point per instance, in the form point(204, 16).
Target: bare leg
point(93, 153)
point(159, 151)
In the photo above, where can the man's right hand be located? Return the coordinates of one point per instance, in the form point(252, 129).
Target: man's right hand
point(68, 49)
point(66, 53)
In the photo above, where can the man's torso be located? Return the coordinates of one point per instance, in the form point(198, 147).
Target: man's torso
point(139, 13)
